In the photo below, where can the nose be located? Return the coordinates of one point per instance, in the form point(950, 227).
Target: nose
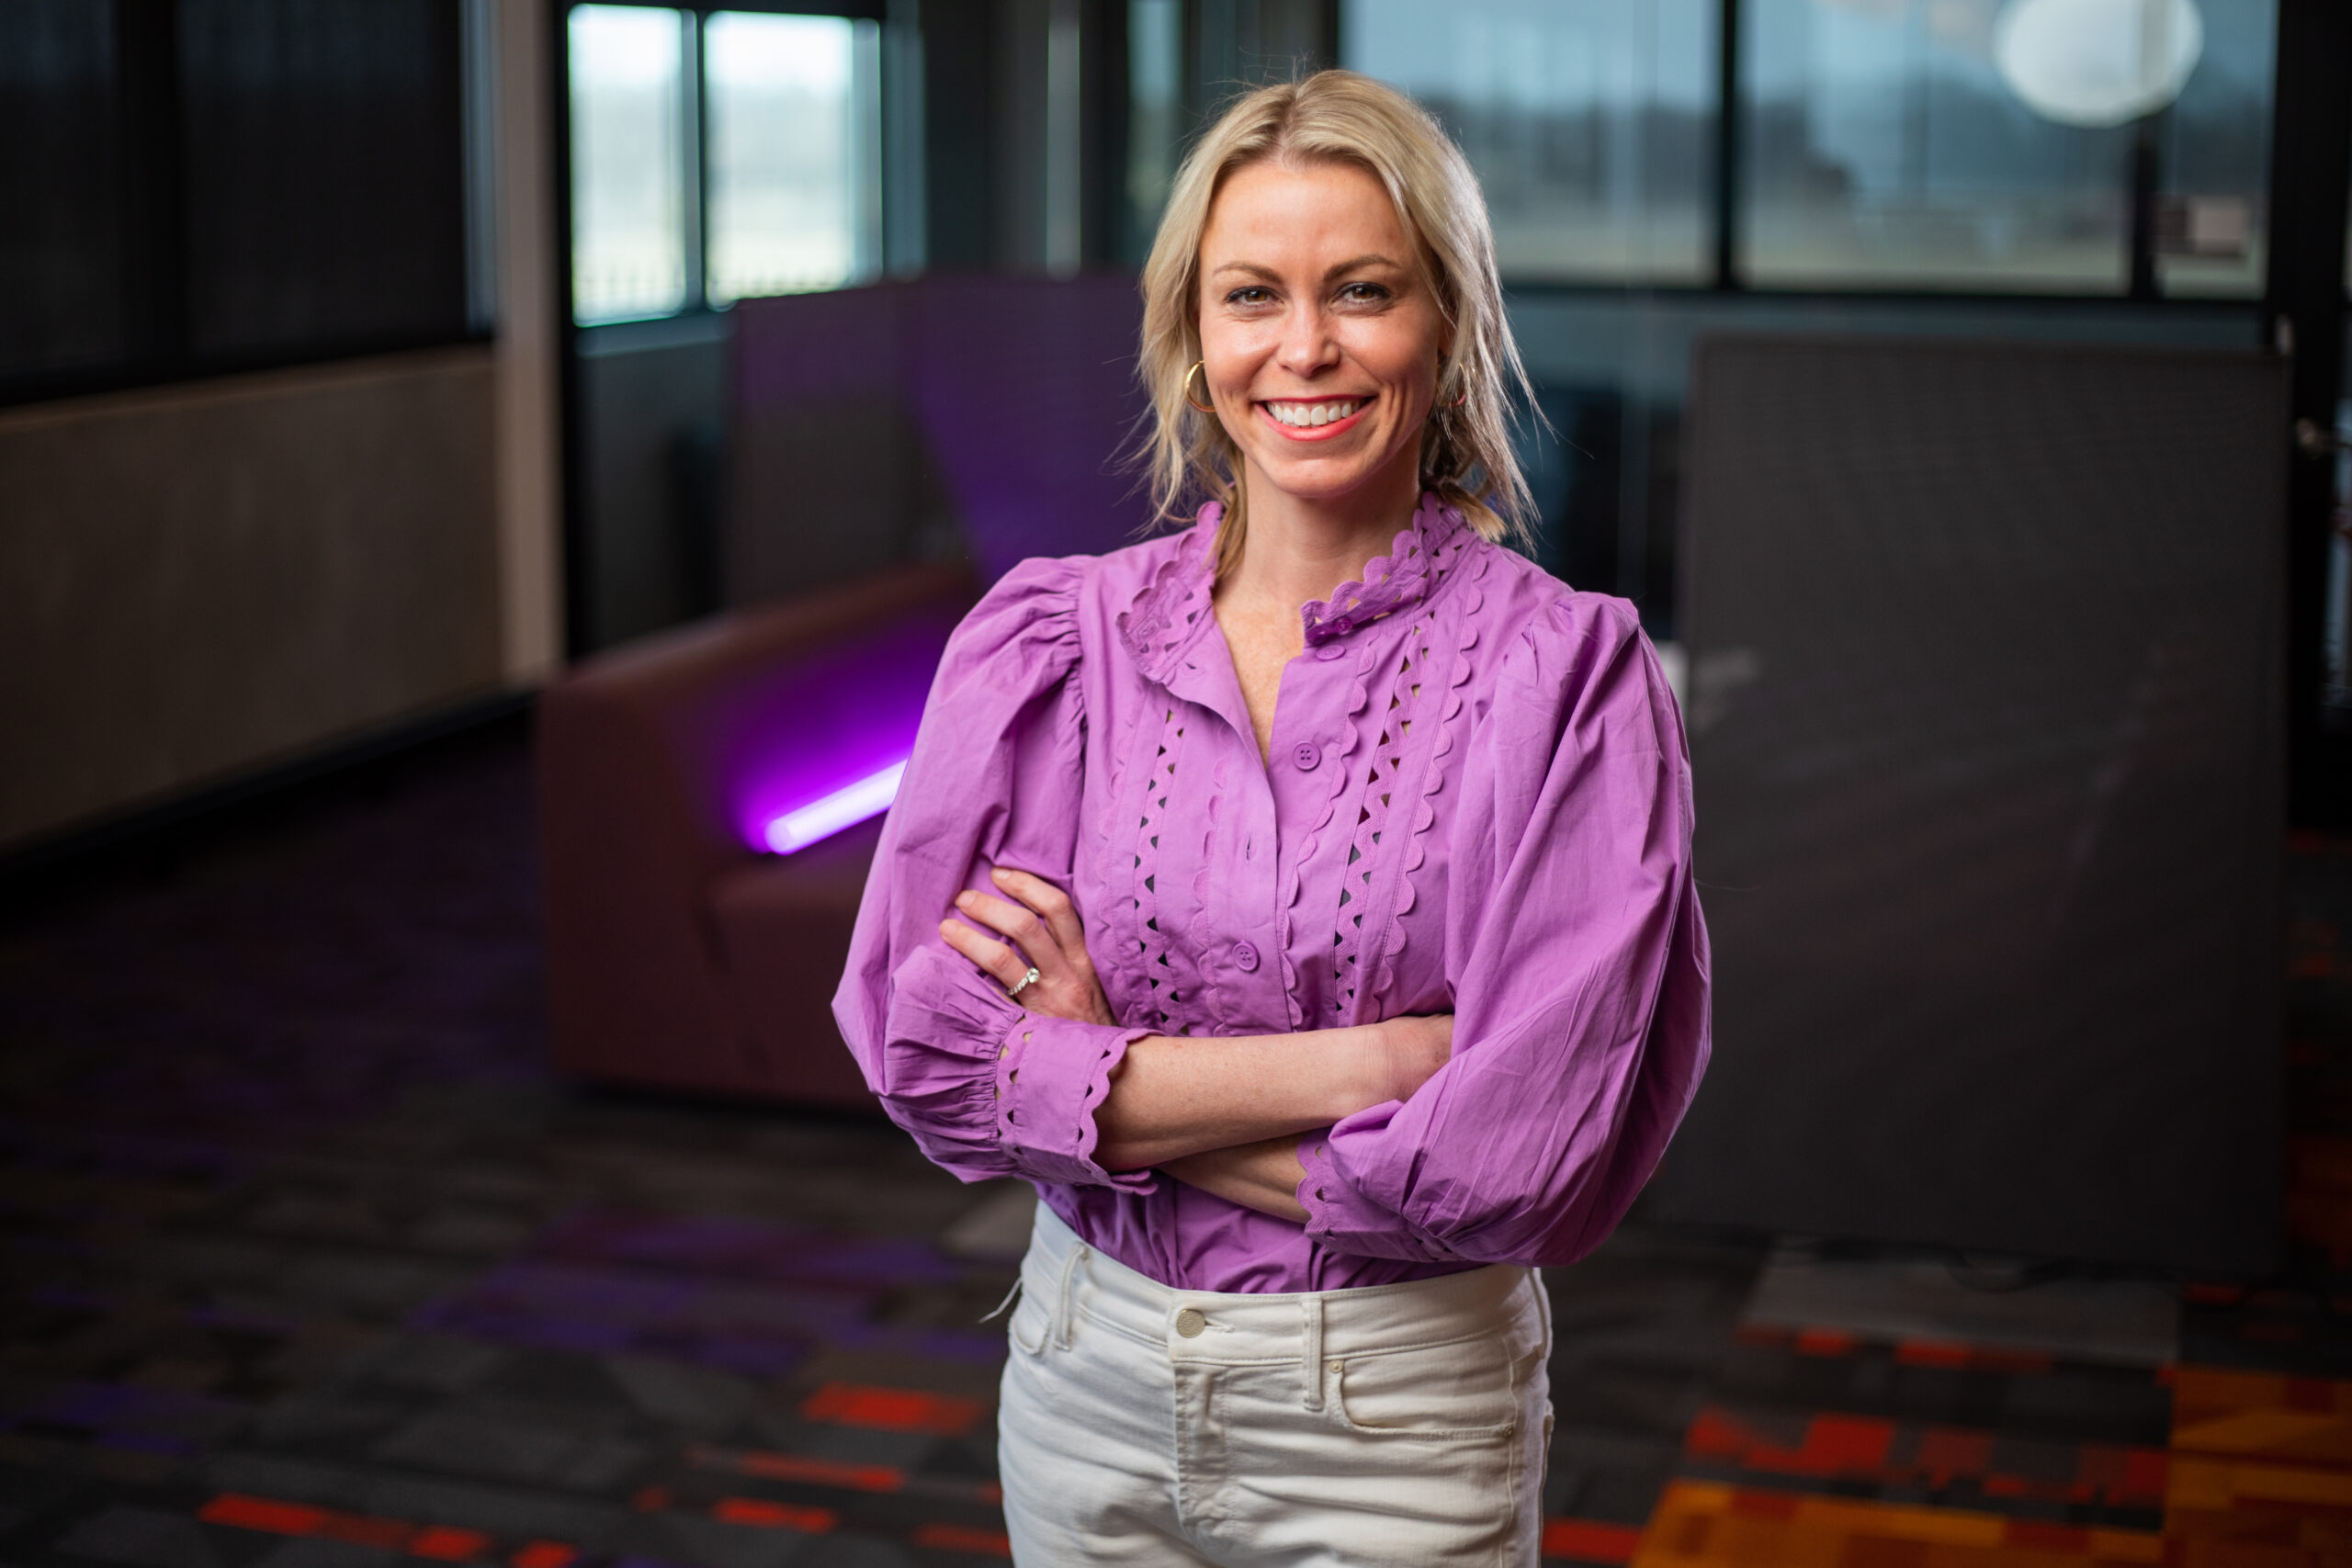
point(1307, 345)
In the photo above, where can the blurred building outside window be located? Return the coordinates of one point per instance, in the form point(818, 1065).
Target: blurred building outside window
point(628, 168)
point(1591, 123)
point(718, 157)
point(794, 114)
point(2214, 205)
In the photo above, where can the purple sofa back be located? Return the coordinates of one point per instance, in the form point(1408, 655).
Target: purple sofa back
point(1006, 405)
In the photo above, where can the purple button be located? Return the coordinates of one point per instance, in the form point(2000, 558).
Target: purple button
point(1245, 958)
point(1343, 626)
point(1328, 652)
point(1306, 754)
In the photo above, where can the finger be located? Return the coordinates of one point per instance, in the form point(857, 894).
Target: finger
point(1031, 933)
point(1051, 903)
point(997, 961)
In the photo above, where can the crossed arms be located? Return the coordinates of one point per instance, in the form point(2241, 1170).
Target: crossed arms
point(1220, 1113)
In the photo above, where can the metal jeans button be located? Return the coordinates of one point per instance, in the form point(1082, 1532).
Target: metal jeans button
point(1191, 1321)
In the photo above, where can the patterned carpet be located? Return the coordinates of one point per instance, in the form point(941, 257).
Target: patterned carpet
point(306, 1263)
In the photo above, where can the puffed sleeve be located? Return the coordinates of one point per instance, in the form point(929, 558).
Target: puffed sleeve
point(1579, 971)
point(986, 1087)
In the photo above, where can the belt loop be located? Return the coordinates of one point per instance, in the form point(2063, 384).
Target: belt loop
point(1062, 1306)
point(1311, 1355)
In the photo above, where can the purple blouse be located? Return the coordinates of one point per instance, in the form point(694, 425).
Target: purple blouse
point(1476, 800)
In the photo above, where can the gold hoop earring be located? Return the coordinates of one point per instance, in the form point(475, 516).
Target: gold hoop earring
point(1198, 366)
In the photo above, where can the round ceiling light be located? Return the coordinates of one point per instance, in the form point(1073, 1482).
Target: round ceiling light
point(2098, 63)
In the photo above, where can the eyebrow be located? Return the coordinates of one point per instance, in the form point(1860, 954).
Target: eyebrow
point(1253, 269)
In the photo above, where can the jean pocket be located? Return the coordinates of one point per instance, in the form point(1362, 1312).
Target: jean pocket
point(1456, 1392)
point(1031, 1320)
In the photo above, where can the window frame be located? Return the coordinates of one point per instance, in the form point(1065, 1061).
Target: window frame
point(694, 141)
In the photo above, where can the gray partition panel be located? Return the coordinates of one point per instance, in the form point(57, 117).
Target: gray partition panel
point(1986, 720)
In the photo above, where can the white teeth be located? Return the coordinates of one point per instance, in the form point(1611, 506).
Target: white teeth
point(1307, 416)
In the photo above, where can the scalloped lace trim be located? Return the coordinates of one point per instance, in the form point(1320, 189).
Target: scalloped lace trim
point(1089, 1100)
point(1375, 812)
point(1167, 609)
point(1152, 947)
point(1341, 769)
point(1091, 1096)
point(1402, 577)
point(1424, 810)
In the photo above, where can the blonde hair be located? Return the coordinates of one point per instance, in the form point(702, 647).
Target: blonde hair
point(1343, 117)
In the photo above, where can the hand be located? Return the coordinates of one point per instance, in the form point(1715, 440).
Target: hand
point(1045, 935)
point(1412, 1050)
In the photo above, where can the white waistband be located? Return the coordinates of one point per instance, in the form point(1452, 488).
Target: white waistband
point(1074, 1280)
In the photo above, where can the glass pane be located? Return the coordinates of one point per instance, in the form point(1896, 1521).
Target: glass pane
point(628, 250)
point(2216, 143)
point(1154, 114)
point(793, 148)
point(1886, 148)
point(1590, 122)
point(61, 273)
point(325, 176)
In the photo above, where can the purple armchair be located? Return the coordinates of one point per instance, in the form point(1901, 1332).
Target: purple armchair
point(864, 423)
point(681, 951)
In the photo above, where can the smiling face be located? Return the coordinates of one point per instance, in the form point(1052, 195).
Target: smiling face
point(1320, 337)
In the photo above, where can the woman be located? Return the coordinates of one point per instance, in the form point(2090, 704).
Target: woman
point(1302, 902)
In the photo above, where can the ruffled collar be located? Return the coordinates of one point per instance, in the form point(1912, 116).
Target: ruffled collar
point(1415, 561)
point(1168, 611)
point(1168, 608)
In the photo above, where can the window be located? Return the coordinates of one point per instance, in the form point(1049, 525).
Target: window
point(720, 155)
point(323, 156)
point(795, 153)
point(61, 255)
point(1591, 123)
point(203, 185)
point(1155, 116)
point(628, 168)
point(1970, 144)
point(2216, 157)
point(1882, 144)
point(1885, 149)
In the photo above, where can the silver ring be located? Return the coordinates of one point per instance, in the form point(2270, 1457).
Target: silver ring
point(1026, 981)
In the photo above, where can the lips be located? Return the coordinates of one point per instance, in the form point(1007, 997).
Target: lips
point(1319, 419)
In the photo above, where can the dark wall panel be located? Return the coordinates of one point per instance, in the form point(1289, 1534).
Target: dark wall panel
point(1987, 730)
point(196, 582)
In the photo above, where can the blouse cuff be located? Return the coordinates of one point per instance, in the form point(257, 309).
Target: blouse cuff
point(1052, 1073)
point(1342, 1219)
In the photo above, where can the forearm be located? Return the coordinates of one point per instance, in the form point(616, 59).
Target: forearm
point(1172, 1098)
point(1261, 1176)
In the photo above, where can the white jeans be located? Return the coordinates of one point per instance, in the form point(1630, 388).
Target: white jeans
point(1400, 1424)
